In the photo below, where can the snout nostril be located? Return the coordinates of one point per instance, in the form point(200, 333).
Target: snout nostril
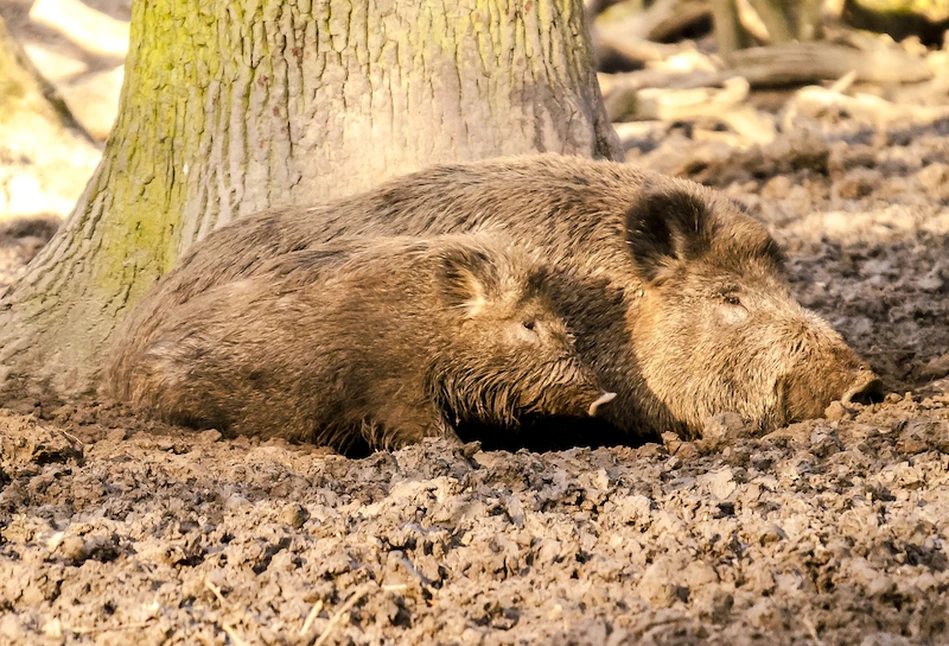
point(867, 389)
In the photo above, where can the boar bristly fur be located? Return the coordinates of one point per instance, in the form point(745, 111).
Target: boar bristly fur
point(385, 341)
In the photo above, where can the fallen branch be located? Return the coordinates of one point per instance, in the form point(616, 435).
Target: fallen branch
point(611, 84)
point(724, 105)
point(801, 63)
point(795, 64)
point(815, 101)
point(636, 36)
point(660, 21)
point(634, 52)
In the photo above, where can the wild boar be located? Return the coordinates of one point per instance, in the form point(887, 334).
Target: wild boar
point(379, 342)
point(683, 310)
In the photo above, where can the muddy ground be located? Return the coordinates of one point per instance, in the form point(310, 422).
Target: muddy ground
point(114, 530)
point(832, 531)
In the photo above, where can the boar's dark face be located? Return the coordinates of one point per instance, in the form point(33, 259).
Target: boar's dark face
point(716, 328)
point(509, 354)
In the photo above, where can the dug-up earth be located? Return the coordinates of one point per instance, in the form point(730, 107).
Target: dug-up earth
point(830, 531)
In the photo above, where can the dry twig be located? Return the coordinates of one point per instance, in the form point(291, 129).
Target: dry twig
point(337, 617)
point(104, 629)
point(227, 628)
point(311, 617)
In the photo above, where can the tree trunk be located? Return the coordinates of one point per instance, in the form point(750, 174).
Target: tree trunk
point(233, 106)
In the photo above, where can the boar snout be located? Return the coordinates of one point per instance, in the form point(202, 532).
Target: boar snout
point(866, 388)
point(605, 398)
point(810, 393)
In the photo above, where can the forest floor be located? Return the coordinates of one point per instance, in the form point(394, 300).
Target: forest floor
point(832, 531)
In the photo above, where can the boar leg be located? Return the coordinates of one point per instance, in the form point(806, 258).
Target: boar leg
point(404, 425)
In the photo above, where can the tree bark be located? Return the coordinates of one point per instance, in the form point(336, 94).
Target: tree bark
point(234, 106)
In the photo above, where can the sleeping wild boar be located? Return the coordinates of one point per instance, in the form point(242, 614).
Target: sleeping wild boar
point(683, 308)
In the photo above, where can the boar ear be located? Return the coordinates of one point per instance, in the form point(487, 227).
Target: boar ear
point(664, 227)
point(467, 277)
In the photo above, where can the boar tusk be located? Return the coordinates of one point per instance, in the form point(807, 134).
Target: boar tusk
point(605, 398)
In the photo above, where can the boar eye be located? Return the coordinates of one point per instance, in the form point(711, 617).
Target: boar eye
point(529, 325)
point(731, 299)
